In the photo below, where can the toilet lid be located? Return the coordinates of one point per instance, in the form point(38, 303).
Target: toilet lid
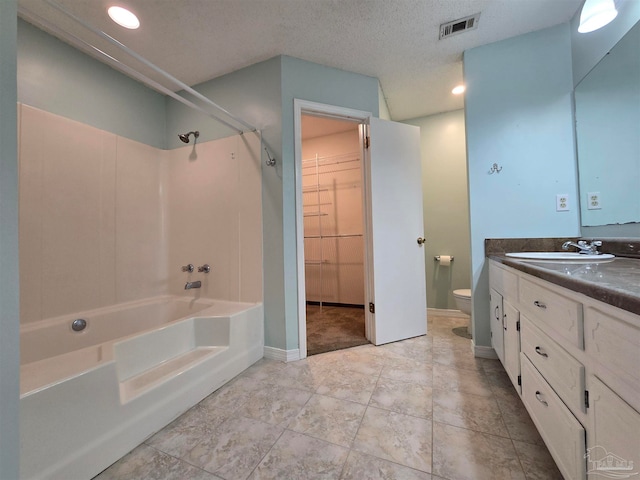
point(463, 292)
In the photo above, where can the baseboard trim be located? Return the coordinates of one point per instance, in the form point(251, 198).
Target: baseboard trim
point(445, 312)
point(281, 355)
point(484, 352)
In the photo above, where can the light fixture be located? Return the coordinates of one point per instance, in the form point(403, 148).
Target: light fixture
point(123, 17)
point(596, 14)
point(458, 90)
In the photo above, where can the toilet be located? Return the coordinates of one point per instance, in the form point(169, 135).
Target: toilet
point(463, 302)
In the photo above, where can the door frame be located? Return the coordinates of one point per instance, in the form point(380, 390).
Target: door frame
point(305, 107)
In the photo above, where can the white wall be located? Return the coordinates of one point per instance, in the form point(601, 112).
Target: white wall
point(336, 193)
point(91, 215)
point(106, 220)
point(213, 194)
point(445, 205)
point(518, 110)
point(9, 301)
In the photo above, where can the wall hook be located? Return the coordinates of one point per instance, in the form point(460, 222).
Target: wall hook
point(495, 169)
point(270, 162)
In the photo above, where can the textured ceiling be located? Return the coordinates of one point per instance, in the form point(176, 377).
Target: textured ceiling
point(393, 40)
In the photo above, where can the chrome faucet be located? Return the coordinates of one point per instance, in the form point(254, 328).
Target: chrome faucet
point(190, 285)
point(584, 247)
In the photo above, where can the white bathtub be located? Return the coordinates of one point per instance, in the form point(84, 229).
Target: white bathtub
point(88, 397)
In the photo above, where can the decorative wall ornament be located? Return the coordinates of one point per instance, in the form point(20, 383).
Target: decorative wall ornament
point(495, 169)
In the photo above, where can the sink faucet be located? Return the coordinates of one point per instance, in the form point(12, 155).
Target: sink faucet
point(584, 247)
point(190, 285)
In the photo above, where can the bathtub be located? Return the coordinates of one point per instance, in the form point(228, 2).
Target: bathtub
point(88, 397)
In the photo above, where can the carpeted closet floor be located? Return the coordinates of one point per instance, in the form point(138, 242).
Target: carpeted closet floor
point(334, 328)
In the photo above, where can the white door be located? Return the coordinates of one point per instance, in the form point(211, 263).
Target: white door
point(396, 273)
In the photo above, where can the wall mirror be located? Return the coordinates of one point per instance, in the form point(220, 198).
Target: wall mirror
point(607, 103)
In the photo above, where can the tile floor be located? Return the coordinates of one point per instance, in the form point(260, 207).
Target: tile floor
point(424, 408)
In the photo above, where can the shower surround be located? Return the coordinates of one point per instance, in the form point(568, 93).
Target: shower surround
point(105, 225)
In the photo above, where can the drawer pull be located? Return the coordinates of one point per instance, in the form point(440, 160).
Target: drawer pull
point(540, 352)
point(540, 305)
point(539, 398)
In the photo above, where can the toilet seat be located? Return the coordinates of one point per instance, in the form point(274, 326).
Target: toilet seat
point(462, 293)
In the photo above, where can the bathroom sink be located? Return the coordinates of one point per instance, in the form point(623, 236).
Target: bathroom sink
point(561, 257)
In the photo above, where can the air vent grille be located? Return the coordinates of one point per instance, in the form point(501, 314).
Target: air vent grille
point(458, 26)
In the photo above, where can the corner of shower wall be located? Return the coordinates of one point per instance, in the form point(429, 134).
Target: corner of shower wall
point(213, 195)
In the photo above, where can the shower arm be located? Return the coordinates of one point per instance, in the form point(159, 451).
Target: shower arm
point(157, 69)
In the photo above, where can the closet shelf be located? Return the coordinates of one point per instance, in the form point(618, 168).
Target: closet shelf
point(314, 214)
point(331, 160)
point(331, 171)
point(335, 236)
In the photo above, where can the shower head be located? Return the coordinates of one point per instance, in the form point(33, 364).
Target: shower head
point(185, 136)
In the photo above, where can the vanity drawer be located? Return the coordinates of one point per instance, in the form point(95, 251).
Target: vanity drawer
point(552, 311)
point(563, 372)
point(614, 342)
point(561, 432)
point(503, 281)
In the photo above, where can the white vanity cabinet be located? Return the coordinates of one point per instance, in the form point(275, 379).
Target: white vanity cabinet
point(579, 360)
point(505, 320)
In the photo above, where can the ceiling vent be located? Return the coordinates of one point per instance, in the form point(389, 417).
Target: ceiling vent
point(458, 26)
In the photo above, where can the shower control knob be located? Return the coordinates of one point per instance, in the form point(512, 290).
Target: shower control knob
point(188, 268)
point(421, 240)
point(204, 268)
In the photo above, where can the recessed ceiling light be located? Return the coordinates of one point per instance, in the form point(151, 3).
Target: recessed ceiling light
point(123, 17)
point(458, 90)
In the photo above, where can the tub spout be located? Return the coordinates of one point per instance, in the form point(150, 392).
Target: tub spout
point(190, 285)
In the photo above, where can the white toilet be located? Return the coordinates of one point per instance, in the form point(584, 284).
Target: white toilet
point(463, 302)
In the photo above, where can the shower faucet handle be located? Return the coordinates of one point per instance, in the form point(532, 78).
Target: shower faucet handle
point(204, 268)
point(188, 268)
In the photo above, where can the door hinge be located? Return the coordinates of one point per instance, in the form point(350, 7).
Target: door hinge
point(372, 307)
point(518, 325)
point(367, 141)
point(586, 399)
point(519, 379)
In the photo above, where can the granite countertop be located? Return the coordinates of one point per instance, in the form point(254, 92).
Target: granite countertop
point(616, 282)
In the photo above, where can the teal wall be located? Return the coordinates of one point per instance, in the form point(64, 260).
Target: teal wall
point(55, 77)
point(519, 114)
point(316, 83)
point(9, 293)
point(262, 95)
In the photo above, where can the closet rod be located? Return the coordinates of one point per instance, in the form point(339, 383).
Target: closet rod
point(157, 69)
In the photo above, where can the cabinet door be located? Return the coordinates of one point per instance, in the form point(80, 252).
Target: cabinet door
point(497, 327)
point(613, 442)
point(511, 318)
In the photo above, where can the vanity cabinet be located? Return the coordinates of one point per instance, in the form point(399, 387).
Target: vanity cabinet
point(579, 366)
point(505, 321)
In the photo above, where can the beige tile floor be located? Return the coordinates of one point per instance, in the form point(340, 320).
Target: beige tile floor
point(424, 408)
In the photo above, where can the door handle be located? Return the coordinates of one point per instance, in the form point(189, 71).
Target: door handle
point(421, 240)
